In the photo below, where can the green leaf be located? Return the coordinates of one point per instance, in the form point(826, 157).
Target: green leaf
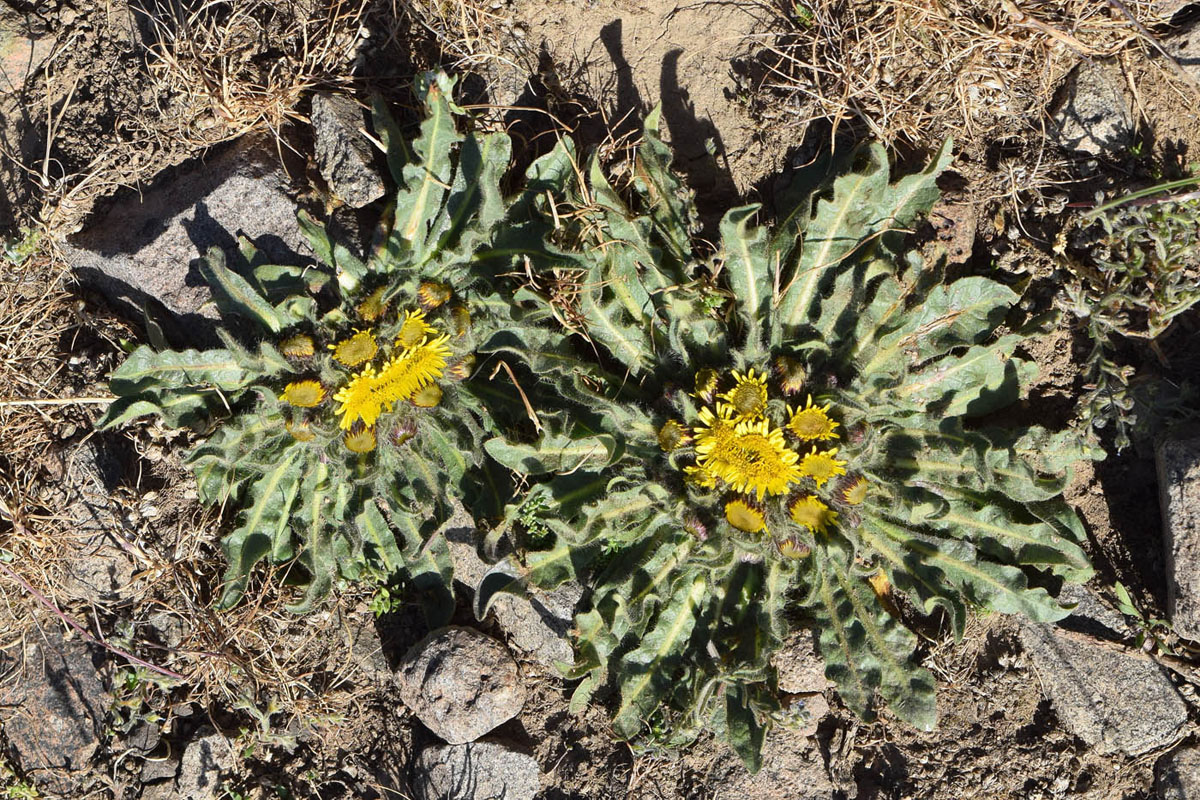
point(750, 273)
point(380, 540)
point(995, 586)
point(554, 453)
point(840, 229)
point(667, 199)
point(743, 729)
point(983, 379)
point(963, 313)
point(234, 294)
point(264, 524)
point(647, 672)
point(426, 178)
point(865, 649)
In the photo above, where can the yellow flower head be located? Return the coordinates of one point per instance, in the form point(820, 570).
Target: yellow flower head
point(461, 370)
point(299, 346)
point(432, 294)
point(755, 460)
point(745, 515)
point(300, 430)
point(373, 306)
point(748, 397)
point(369, 393)
point(791, 374)
point(855, 490)
point(706, 385)
point(821, 466)
point(415, 330)
point(715, 429)
point(427, 396)
point(304, 394)
point(405, 432)
point(793, 548)
point(361, 440)
point(358, 349)
point(812, 423)
point(700, 477)
point(672, 435)
point(461, 317)
point(809, 512)
point(880, 585)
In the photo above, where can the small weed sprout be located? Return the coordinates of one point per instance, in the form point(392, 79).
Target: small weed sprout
point(1135, 267)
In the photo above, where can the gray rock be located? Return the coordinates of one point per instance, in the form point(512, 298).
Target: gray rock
point(1177, 775)
point(100, 569)
point(1094, 116)
point(1184, 47)
point(161, 769)
point(365, 648)
point(460, 684)
point(792, 769)
point(52, 707)
point(343, 155)
point(798, 667)
point(539, 622)
point(202, 771)
point(168, 628)
point(1178, 461)
point(1112, 700)
point(486, 770)
point(148, 246)
point(25, 44)
point(1169, 8)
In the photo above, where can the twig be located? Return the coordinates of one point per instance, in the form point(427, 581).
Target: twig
point(45, 601)
point(1187, 77)
point(1185, 670)
point(537, 423)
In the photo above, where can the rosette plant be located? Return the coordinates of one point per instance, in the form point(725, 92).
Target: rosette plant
point(345, 429)
point(788, 429)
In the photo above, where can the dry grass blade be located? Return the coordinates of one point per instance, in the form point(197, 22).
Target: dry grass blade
point(916, 72)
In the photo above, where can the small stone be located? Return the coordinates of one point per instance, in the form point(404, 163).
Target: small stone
point(169, 629)
point(478, 771)
point(161, 769)
point(1112, 700)
point(1184, 47)
point(342, 153)
point(25, 44)
point(1094, 116)
point(1166, 9)
point(99, 570)
point(798, 667)
point(364, 646)
point(539, 622)
point(1178, 461)
point(460, 683)
point(1177, 775)
point(205, 764)
point(148, 245)
point(52, 707)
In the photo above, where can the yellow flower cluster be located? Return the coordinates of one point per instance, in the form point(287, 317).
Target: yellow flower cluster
point(738, 447)
point(369, 393)
point(419, 357)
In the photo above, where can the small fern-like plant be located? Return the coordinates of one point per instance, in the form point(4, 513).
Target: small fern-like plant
point(345, 430)
point(781, 432)
point(1134, 267)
